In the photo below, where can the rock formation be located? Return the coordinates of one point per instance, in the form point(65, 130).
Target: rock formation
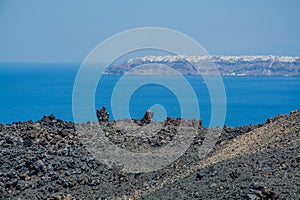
point(147, 117)
point(102, 115)
point(47, 159)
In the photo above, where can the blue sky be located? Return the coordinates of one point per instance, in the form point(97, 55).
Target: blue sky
point(66, 31)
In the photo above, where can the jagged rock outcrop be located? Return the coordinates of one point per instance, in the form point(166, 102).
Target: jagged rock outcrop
point(171, 121)
point(47, 159)
point(102, 115)
point(147, 117)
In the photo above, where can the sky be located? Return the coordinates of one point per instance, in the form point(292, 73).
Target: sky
point(67, 30)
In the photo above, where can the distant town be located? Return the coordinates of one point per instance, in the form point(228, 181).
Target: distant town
point(208, 65)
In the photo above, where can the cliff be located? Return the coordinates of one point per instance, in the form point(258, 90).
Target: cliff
point(195, 65)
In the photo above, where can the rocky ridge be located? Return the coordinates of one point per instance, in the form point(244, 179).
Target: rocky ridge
point(48, 160)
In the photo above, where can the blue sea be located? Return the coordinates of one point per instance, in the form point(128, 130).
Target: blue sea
point(30, 91)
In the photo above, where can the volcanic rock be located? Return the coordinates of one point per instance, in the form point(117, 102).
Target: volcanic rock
point(147, 117)
point(102, 115)
point(49, 159)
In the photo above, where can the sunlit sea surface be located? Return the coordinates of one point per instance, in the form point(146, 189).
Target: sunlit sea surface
point(30, 91)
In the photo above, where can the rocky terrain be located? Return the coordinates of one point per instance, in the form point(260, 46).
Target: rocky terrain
point(210, 65)
point(48, 159)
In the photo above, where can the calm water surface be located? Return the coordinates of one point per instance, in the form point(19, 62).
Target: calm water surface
point(30, 92)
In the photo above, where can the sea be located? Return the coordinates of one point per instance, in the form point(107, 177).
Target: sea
point(31, 91)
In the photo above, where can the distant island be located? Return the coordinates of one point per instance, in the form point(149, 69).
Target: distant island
point(195, 65)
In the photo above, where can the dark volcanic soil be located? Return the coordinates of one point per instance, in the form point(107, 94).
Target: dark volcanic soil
point(48, 160)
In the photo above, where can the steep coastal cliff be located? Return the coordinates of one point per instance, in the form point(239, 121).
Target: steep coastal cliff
point(226, 65)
